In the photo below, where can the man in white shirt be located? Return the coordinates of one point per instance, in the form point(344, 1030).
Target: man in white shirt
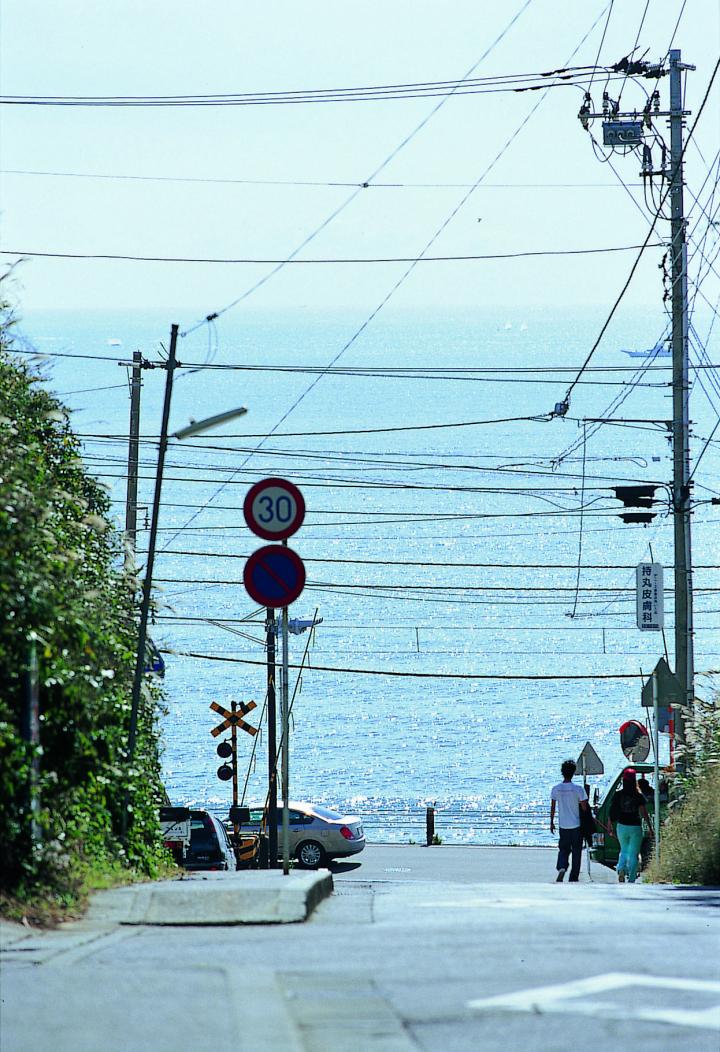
point(568, 798)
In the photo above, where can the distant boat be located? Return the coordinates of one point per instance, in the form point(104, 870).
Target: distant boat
point(658, 351)
point(114, 342)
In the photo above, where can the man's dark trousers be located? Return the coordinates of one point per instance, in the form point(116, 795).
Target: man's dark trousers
point(570, 843)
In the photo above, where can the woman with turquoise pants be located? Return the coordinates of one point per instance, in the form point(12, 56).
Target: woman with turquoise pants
point(628, 811)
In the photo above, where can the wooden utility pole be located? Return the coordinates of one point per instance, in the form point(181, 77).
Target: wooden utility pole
point(684, 650)
point(147, 581)
point(133, 457)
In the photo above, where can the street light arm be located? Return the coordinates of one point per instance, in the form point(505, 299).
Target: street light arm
point(195, 427)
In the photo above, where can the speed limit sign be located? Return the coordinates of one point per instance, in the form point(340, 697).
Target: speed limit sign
point(274, 509)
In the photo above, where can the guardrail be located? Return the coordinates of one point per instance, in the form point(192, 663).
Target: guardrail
point(450, 825)
point(457, 825)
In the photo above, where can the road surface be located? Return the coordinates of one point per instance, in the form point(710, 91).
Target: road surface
point(396, 960)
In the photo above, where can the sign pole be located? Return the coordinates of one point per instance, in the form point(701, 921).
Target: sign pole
point(584, 778)
point(286, 747)
point(272, 815)
point(274, 576)
point(656, 742)
point(233, 744)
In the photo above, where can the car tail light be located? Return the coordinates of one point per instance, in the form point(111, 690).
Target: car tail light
point(347, 832)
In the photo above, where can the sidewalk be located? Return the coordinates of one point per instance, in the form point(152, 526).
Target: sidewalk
point(246, 897)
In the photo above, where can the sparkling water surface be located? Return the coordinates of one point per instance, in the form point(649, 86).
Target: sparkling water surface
point(484, 751)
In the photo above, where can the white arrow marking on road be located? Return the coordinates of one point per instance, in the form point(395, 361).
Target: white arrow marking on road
point(558, 998)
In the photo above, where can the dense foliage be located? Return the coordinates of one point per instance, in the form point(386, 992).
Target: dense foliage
point(63, 592)
point(690, 838)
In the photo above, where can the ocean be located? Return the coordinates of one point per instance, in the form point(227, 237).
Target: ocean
point(452, 532)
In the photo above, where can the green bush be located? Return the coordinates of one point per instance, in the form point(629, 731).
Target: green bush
point(63, 592)
point(690, 838)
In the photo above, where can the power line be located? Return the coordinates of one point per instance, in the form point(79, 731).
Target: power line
point(441, 565)
point(408, 269)
point(413, 675)
point(307, 182)
point(333, 261)
point(429, 89)
point(370, 178)
point(338, 625)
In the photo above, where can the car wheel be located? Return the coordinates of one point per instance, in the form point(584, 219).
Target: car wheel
point(311, 855)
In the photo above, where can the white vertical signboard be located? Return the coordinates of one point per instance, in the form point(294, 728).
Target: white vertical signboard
point(650, 600)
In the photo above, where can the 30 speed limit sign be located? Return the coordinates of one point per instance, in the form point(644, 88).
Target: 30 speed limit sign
point(274, 509)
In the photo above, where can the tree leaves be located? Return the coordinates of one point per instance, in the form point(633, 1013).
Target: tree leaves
point(62, 584)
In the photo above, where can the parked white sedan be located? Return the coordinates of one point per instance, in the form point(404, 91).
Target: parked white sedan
point(317, 833)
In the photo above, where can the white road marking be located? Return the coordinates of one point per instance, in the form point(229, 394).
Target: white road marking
point(484, 903)
point(559, 998)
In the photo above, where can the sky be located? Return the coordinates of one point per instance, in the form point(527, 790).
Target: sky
point(221, 182)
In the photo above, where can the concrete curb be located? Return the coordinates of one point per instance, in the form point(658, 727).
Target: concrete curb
point(248, 897)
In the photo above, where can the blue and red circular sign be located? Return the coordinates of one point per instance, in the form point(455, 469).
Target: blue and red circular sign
point(274, 509)
point(274, 576)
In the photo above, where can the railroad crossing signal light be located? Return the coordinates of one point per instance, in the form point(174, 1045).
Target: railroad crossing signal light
point(224, 750)
point(225, 772)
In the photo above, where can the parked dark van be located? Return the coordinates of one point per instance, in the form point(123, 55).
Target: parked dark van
point(210, 846)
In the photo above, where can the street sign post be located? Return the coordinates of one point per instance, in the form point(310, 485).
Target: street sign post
point(589, 762)
point(274, 509)
point(274, 576)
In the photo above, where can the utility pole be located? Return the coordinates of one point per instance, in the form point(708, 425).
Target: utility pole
point(147, 581)
point(684, 651)
point(626, 130)
point(133, 456)
point(272, 822)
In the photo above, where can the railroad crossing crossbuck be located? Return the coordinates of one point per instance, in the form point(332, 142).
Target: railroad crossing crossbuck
point(234, 719)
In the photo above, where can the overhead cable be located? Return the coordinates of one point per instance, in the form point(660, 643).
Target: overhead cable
point(412, 675)
point(330, 261)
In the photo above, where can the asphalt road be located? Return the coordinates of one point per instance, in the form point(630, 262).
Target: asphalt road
point(400, 959)
point(460, 864)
